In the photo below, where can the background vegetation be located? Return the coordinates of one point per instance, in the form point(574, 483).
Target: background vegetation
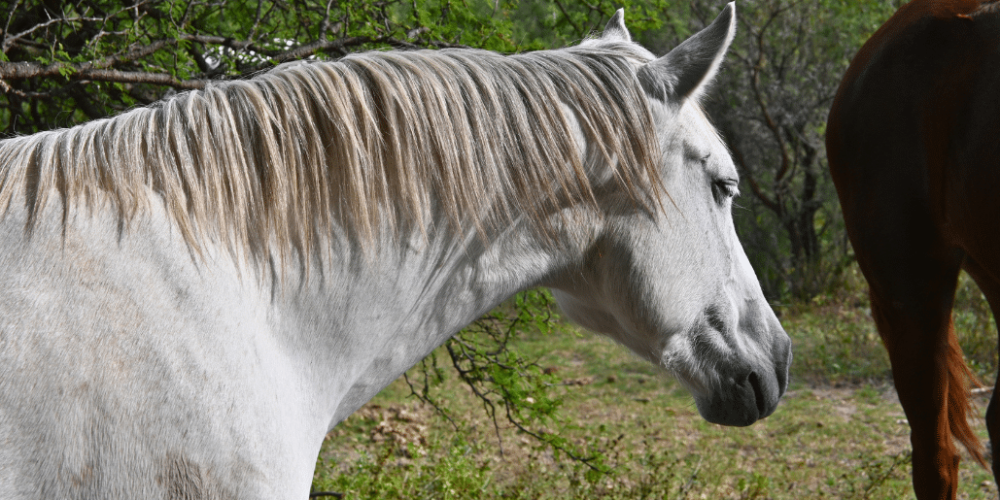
point(839, 432)
point(518, 384)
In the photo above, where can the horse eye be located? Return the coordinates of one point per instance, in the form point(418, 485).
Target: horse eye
point(724, 189)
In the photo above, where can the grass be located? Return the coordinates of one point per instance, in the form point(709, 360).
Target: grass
point(839, 432)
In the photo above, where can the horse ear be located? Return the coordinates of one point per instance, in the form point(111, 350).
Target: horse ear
point(688, 69)
point(616, 30)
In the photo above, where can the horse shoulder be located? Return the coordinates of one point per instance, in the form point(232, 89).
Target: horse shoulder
point(126, 367)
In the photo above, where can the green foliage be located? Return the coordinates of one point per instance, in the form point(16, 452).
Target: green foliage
point(975, 327)
point(557, 23)
point(753, 486)
point(454, 475)
point(149, 47)
point(871, 479)
point(146, 50)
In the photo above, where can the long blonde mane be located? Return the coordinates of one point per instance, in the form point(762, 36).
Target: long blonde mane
point(380, 138)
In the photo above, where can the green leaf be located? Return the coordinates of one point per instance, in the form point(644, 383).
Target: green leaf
point(66, 70)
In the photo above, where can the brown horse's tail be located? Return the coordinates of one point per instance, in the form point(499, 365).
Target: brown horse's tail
point(960, 378)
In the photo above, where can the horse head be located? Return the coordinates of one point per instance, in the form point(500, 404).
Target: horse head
point(673, 283)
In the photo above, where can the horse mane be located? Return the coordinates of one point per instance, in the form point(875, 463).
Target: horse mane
point(988, 7)
point(372, 141)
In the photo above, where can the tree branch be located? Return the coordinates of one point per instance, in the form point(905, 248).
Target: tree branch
point(754, 186)
point(88, 71)
point(9, 40)
point(765, 112)
point(576, 28)
point(97, 70)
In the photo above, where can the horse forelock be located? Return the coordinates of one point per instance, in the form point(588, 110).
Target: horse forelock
point(372, 141)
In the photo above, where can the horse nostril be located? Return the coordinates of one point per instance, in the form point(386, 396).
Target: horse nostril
point(758, 393)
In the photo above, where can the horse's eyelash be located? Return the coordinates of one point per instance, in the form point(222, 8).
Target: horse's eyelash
point(728, 187)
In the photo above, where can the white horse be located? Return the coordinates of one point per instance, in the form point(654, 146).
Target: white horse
point(193, 294)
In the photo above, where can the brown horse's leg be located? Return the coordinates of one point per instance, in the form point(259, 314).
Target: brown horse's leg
point(912, 298)
point(991, 289)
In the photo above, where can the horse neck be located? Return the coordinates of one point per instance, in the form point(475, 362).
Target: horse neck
point(363, 320)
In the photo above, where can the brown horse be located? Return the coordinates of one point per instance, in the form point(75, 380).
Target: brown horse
point(913, 140)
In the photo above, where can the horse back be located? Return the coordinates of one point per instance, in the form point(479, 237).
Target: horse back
point(912, 136)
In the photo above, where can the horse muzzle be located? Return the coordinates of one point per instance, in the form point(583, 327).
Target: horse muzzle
point(750, 394)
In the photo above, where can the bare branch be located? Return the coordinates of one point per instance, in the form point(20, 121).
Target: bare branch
point(106, 75)
point(22, 70)
point(10, 16)
point(7, 89)
point(762, 104)
point(9, 40)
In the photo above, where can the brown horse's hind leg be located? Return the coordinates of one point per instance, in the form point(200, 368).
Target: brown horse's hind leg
point(911, 303)
point(991, 289)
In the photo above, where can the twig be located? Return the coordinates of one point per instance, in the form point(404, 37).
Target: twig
point(424, 399)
